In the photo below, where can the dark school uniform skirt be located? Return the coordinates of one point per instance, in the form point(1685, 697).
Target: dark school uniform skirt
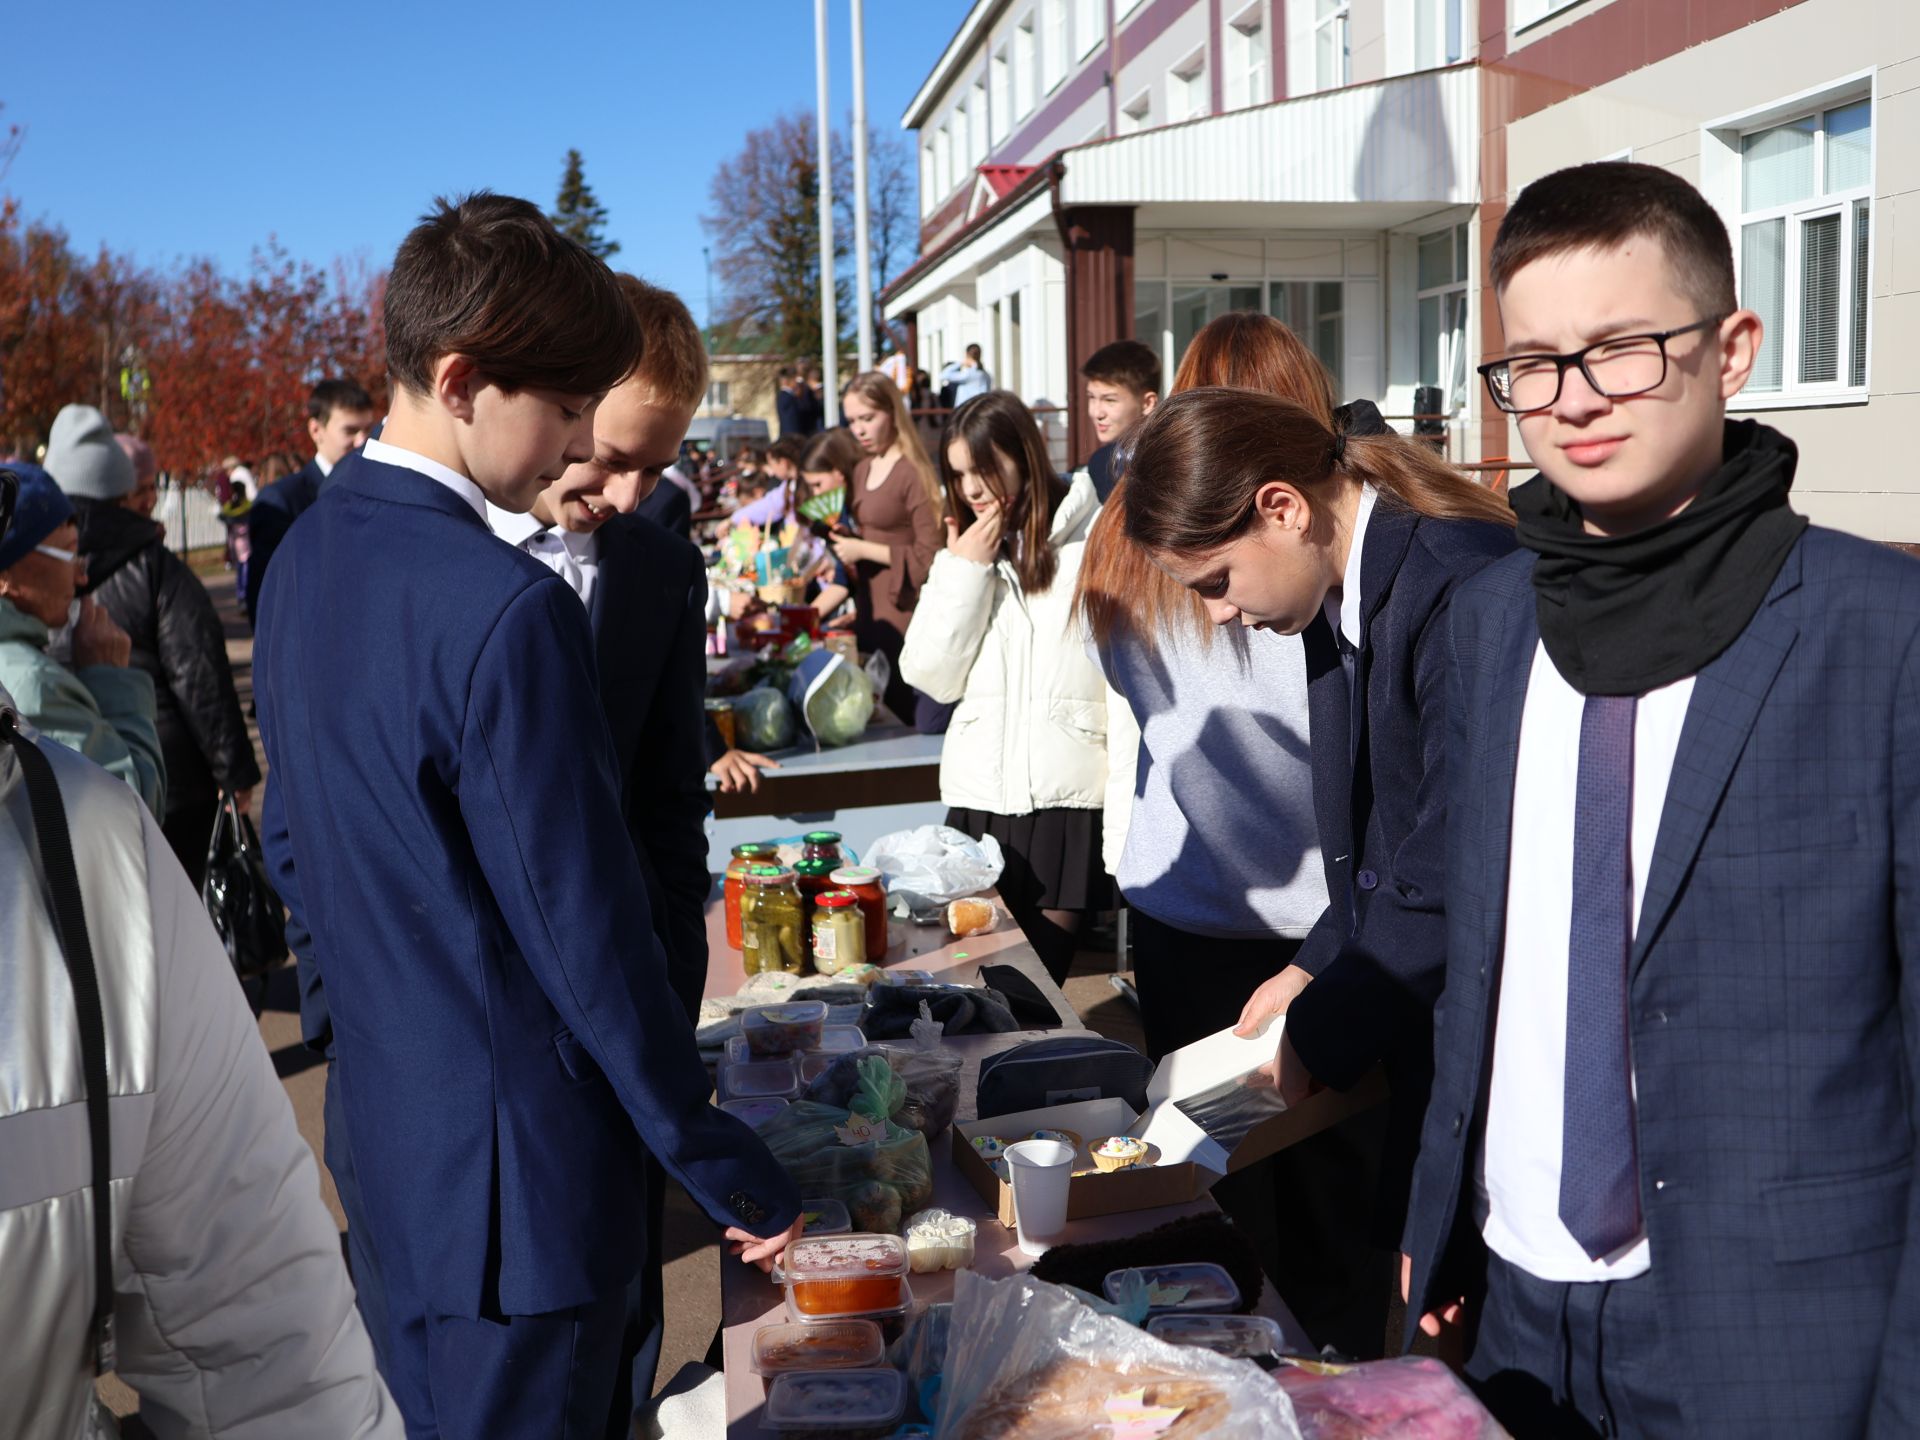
point(1053, 857)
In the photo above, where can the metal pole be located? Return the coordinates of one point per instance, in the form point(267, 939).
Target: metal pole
point(862, 255)
point(706, 252)
point(829, 316)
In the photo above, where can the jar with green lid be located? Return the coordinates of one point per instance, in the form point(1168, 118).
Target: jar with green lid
point(822, 845)
point(759, 853)
point(770, 921)
point(839, 932)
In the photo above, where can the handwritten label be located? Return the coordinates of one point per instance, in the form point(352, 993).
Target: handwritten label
point(1133, 1419)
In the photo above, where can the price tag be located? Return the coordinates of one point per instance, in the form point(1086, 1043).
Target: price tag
point(1133, 1419)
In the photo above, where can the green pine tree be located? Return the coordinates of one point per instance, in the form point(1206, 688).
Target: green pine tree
point(578, 214)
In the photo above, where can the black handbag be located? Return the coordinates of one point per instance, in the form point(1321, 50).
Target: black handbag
point(246, 913)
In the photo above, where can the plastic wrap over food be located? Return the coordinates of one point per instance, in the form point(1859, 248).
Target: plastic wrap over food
point(1411, 1398)
point(1027, 1361)
point(763, 720)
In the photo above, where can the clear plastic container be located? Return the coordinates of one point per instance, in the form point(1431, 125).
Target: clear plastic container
point(1244, 1337)
point(838, 1015)
point(772, 1031)
point(1209, 1289)
point(813, 1065)
point(843, 1345)
point(825, 1217)
point(755, 1112)
point(835, 1400)
point(844, 1275)
point(760, 1080)
point(906, 977)
point(839, 1039)
point(834, 1040)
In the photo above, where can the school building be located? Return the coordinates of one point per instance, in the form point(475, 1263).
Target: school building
point(1092, 169)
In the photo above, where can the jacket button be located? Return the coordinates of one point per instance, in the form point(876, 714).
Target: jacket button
point(1367, 879)
point(1459, 1123)
point(1659, 1184)
point(1661, 1016)
point(740, 1203)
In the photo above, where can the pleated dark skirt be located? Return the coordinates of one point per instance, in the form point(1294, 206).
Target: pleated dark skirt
point(1053, 857)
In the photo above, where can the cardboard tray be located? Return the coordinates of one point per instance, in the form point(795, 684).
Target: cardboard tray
point(1191, 1158)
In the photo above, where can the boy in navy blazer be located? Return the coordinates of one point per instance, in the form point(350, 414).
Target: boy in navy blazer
point(339, 415)
point(1667, 1172)
point(448, 797)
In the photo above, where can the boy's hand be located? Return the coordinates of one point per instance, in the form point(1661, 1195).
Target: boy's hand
point(755, 1251)
point(1272, 998)
point(1434, 1321)
point(740, 770)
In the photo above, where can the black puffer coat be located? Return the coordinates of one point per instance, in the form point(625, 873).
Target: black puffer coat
point(178, 639)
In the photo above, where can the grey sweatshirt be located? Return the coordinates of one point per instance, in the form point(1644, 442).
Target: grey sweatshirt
point(1220, 839)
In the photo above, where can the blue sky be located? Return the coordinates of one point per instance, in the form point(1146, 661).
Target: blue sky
point(202, 128)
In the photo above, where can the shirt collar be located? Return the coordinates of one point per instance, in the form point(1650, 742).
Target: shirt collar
point(515, 529)
point(381, 453)
point(326, 465)
point(1345, 610)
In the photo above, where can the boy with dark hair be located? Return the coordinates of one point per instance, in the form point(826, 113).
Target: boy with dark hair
point(1123, 384)
point(444, 816)
point(1667, 1170)
point(339, 415)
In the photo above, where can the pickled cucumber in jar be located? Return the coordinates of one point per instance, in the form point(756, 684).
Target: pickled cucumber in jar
point(770, 921)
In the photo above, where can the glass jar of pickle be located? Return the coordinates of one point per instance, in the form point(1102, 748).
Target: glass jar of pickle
point(864, 882)
point(744, 856)
point(814, 878)
point(770, 921)
point(839, 932)
point(822, 845)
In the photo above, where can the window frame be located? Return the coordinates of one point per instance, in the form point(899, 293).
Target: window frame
point(1026, 66)
point(1000, 94)
point(1342, 16)
point(1246, 56)
point(1089, 26)
point(1137, 114)
point(1187, 82)
point(978, 144)
point(1458, 287)
point(1054, 45)
point(1527, 13)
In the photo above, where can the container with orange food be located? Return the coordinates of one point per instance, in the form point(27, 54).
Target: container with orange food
point(864, 882)
point(835, 1277)
point(744, 857)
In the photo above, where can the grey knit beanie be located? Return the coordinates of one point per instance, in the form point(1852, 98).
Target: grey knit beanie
point(84, 458)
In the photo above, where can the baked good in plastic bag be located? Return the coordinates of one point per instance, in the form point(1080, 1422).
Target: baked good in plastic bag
point(1411, 1398)
point(972, 916)
point(1027, 1361)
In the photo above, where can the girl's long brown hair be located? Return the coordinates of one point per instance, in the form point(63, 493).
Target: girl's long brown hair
point(879, 391)
point(1203, 456)
point(1119, 586)
point(999, 431)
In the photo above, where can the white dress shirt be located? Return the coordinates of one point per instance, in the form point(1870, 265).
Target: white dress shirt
point(1344, 618)
point(574, 558)
point(1519, 1180)
point(326, 465)
point(385, 454)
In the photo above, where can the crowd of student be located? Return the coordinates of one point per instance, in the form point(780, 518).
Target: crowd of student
point(1589, 817)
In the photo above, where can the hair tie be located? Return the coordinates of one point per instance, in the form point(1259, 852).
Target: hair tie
point(1356, 417)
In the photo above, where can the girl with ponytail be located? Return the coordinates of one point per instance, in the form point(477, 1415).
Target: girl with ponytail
point(1352, 538)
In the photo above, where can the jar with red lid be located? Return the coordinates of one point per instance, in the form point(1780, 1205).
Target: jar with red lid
point(839, 932)
point(744, 856)
point(864, 882)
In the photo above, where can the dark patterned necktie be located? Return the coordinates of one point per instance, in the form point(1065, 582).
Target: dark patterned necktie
point(1599, 1161)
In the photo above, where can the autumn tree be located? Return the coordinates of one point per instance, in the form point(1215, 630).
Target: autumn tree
point(578, 213)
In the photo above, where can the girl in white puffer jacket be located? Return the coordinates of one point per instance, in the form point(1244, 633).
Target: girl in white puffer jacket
point(1025, 758)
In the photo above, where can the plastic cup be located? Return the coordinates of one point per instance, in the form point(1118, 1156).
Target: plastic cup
point(1041, 1171)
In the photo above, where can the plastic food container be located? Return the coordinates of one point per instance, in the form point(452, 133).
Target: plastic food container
point(838, 1015)
point(813, 1065)
point(825, 1217)
point(836, 1400)
point(831, 1278)
point(760, 1080)
point(906, 977)
point(1209, 1289)
point(1244, 1337)
point(777, 1030)
point(756, 1112)
point(839, 1039)
point(842, 1345)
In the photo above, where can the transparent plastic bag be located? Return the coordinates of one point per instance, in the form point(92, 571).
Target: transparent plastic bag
point(936, 863)
point(833, 699)
point(932, 1079)
point(1412, 1397)
point(882, 1178)
point(763, 720)
point(1027, 1361)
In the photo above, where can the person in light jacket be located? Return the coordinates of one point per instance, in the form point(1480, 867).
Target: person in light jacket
point(231, 1313)
point(1026, 755)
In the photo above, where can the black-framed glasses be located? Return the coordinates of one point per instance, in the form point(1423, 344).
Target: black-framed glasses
point(1619, 368)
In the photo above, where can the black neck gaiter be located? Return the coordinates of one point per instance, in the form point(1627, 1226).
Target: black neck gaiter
point(1625, 614)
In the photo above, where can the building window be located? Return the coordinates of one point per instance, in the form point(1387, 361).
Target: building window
point(1332, 44)
point(1124, 8)
point(977, 126)
point(1170, 315)
point(1023, 68)
point(1315, 310)
point(962, 128)
point(927, 196)
point(1245, 60)
point(1437, 33)
point(1053, 55)
point(1805, 243)
point(1135, 114)
point(1001, 108)
point(942, 162)
point(1527, 12)
point(1187, 89)
point(717, 395)
point(1443, 264)
point(1089, 26)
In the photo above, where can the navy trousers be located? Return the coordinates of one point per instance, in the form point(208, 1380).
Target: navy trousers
point(1573, 1361)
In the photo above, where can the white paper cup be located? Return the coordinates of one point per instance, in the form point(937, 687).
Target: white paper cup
point(1040, 1171)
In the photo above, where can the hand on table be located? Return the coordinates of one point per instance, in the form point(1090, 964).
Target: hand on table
point(756, 1251)
point(1271, 999)
point(1433, 1322)
point(980, 541)
point(740, 770)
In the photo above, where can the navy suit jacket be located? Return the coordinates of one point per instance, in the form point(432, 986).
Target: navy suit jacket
point(1378, 953)
point(670, 509)
point(447, 798)
point(1774, 1001)
point(274, 510)
point(650, 642)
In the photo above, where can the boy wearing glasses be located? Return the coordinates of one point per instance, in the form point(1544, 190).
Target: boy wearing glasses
point(1666, 1175)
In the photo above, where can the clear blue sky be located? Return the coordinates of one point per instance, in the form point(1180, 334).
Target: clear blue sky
point(202, 128)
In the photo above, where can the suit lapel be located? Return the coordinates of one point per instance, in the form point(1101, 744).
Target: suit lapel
point(1496, 758)
point(1726, 702)
point(1329, 707)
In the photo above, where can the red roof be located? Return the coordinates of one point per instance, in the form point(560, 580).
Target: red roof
point(1004, 177)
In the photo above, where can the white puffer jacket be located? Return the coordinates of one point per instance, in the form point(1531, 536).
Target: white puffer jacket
point(1031, 730)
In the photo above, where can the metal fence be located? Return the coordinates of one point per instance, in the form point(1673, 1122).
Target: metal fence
point(192, 518)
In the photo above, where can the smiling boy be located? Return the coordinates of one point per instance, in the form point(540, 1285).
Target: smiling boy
point(1668, 1161)
point(1123, 386)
